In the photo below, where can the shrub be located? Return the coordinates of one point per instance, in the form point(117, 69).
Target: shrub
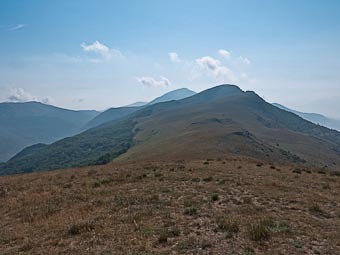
point(297, 244)
point(259, 231)
point(190, 211)
point(278, 226)
point(315, 208)
point(205, 244)
point(174, 231)
point(78, 228)
point(229, 226)
point(262, 229)
point(214, 197)
point(163, 238)
point(297, 171)
point(96, 184)
point(208, 179)
point(168, 233)
point(335, 173)
point(248, 251)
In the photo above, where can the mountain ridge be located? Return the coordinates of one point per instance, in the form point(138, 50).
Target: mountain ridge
point(120, 112)
point(219, 121)
point(314, 117)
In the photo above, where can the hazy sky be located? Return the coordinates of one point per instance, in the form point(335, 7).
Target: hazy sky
point(99, 54)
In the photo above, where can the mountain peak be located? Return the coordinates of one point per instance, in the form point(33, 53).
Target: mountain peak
point(173, 95)
point(224, 88)
point(217, 92)
point(181, 90)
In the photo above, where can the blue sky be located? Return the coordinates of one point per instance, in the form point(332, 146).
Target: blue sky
point(100, 54)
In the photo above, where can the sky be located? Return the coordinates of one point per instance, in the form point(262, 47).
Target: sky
point(82, 54)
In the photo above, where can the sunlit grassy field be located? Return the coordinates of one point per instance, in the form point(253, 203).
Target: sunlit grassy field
point(213, 206)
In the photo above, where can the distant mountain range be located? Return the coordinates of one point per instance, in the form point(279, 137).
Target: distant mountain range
point(119, 112)
point(25, 124)
point(314, 117)
point(172, 95)
point(214, 123)
point(177, 94)
point(136, 104)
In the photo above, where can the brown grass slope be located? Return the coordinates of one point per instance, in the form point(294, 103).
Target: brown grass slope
point(226, 206)
point(226, 120)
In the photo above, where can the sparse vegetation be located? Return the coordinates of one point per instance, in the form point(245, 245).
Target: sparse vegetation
point(206, 210)
point(335, 173)
point(259, 230)
point(168, 233)
point(297, 244)
point(229, 226)
point(316, 209)
point(79, 228)
point(297, 171)
point(190, 211)
point(208, 179)
point(214, 197)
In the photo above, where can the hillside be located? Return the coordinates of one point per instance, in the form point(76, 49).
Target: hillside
point(111, 114)
point(120, 112)
point(314, 117)
point(220, 121)
point(24, 124)
point(94, 146)
point(226, 120)
point(232, 206)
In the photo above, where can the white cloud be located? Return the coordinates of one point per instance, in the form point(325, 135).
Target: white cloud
point(151, 82)
point(20, 95)
point(244, 60)
point(224, 53)
point(208, 62)
point(101, 49)
point(214, 66)
point(96, 47)
point(174, 57)
point(16, 27)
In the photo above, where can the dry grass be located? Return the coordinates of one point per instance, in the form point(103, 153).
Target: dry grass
point(225, 207)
